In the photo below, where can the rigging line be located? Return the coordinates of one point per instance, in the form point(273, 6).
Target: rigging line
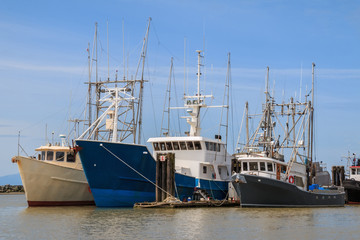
point(160, 43)
point(101, 145)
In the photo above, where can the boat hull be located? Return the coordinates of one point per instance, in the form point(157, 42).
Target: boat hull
point(47, 184)
point(258, 191)
point(121, 175)
point(352, 190)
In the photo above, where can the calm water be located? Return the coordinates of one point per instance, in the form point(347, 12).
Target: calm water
point(17, 221)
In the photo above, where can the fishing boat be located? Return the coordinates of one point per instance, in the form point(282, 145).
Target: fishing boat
point(261, 176)
point(204, 162)
point(55, 177)
point(121, 174)
point(352, 183)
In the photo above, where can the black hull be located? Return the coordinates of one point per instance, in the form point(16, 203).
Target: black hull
point(265, 192)
point(352, 190)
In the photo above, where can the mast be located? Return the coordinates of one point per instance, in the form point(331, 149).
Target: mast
point(167, 109)
point(247, 125)
point(97, 90)
point(312, 113)
point(89, 87)
point(143, 55)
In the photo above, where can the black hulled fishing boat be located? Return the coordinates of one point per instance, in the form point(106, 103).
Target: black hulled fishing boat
point(262, 178)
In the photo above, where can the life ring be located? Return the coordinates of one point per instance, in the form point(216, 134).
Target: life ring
point(291, 179)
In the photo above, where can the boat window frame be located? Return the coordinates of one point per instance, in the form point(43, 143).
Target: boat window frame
point(353, 171)
point(169, 146)
point(197, 145)
point(272, 167)
point(190, 145)
point(207, 145)
point(71, 159)
point(204, 169)
point(358, 171)
point(162, 146)
point(43, 155)
point(47, 155)
point(217, 147)
point(156, 146)
point(177, 146)
point(262, 169)
point(245, 166)
point(60, 158)
point(256, 164)
point(183, 145)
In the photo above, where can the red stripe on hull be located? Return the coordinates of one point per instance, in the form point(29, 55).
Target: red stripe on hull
point(60, 203)
point(353, 202)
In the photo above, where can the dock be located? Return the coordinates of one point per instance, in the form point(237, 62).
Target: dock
point(189, 204)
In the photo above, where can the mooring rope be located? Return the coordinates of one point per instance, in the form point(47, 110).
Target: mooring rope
point(101, 145)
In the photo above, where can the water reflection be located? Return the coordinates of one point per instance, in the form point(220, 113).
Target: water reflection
point(20, 222)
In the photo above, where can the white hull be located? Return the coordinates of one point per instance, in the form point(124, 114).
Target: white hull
point(50, 184)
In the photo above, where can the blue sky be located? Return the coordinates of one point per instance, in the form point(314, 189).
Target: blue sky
point(43, 61)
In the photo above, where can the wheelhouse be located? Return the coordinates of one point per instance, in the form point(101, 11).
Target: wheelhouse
point(263, 166)
point(56, 154)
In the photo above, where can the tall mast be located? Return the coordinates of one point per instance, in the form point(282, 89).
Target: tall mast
point(96, 81)
point(89, 87)
point(143, 55)
point(312, 113)
point(227, 100)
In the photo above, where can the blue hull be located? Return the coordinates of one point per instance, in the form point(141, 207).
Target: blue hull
point(114, 184)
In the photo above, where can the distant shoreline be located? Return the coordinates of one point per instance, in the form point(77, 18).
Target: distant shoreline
point(12, 193)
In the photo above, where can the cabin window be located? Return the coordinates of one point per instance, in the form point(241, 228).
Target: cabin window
point(283, 169)
point(219, 171)
point(59, 156)
point(70, 157)
point(254, 166)
point(270, 167)
point(197, 145)
point(207, 145)
point(156, 146)
point(190, 145)
point(182, 145)
point(353, 171)
point(43, 153)
point(204, 169)
point(162, 146)
point(176, 145)
point(358, 171)
point(50, 155)
point(217, 147)
point(169, 146)
point(245, 166)
point(262, 166)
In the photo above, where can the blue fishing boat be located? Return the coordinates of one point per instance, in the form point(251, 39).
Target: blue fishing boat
point(121, 174)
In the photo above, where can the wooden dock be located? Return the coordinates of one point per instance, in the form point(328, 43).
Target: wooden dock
point(190, 204)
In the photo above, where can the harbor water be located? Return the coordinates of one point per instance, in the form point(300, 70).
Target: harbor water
point(17, 221)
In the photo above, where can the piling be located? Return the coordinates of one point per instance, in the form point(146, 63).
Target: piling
point(165, 176)
point(338, 175)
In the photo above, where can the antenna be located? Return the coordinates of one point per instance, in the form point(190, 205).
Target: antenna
point(184, 66)
point(123, 30)
point(107, 30)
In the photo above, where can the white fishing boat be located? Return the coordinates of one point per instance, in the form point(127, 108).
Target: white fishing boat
point(204, 161)
point(55, 177)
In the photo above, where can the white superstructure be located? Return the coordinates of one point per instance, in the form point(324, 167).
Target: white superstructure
point(195, 155)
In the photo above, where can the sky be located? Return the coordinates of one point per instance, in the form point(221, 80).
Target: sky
point(44, 63)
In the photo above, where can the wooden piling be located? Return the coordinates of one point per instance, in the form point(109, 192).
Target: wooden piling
point(165, 176)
